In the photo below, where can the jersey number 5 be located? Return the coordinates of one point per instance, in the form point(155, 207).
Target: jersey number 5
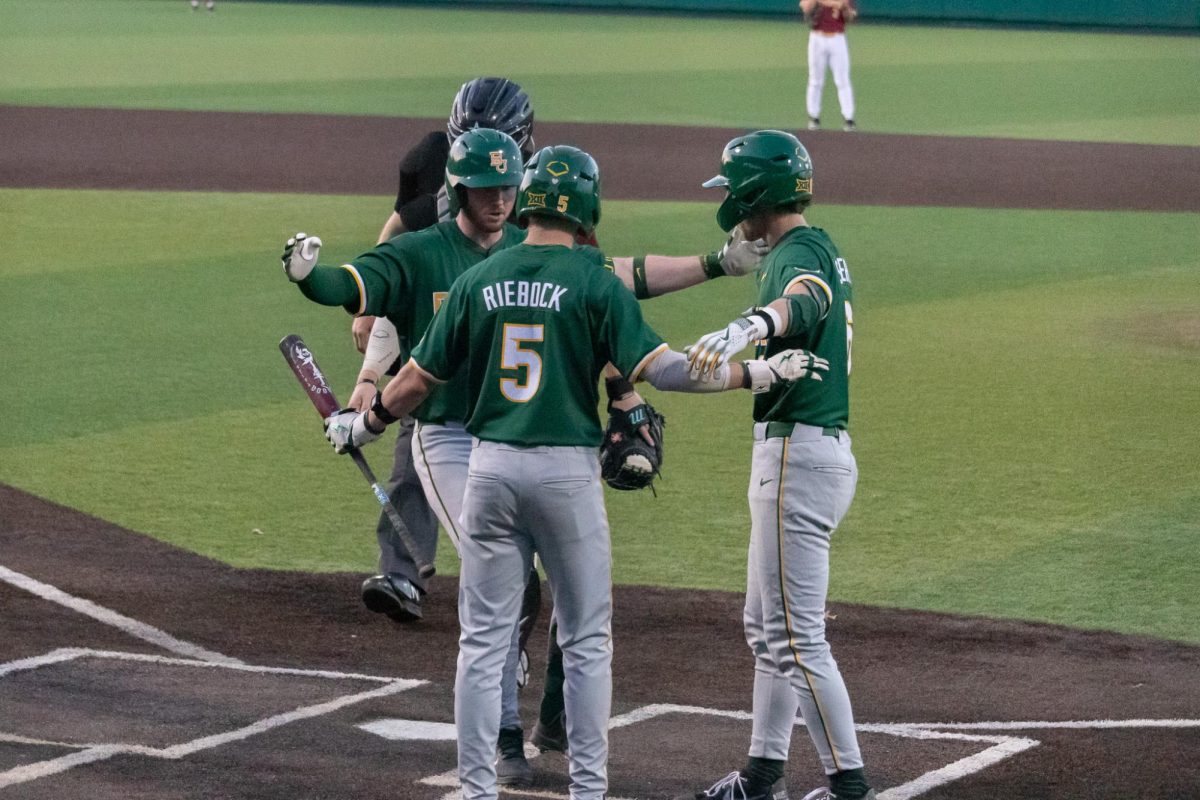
point(513, 356)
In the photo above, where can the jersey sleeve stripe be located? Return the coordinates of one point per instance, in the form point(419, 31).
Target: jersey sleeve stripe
point(816, 279)
point(645, 362)
point(362, 288)
point(424, 371)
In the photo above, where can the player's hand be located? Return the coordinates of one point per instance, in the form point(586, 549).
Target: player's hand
point(361, 397)
point(347, 430)
point(714, 349)
point(361, 330)
point(788, 366)
point(739, 256)
point(628, 403)
point(300, 256)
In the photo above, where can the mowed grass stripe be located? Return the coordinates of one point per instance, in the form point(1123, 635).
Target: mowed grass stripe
point(714, 71)
point(1020, 414)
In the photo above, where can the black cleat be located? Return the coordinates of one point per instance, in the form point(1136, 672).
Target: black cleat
point(393, 595)
point(551, 735)
point(512, 769)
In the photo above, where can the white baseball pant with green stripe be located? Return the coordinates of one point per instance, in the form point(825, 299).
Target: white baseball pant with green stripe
point(800, 488)
point(441, 454)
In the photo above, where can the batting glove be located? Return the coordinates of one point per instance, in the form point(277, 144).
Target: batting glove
point(739, 256)
point(713, 350)
point(347, 430)
point(789, 365)
point(300, 256)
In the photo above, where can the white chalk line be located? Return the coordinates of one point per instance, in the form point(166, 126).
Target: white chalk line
point(140, 630)
point(1001, 746)
point(91, 753)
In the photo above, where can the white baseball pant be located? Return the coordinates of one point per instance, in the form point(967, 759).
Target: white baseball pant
point(832, 53)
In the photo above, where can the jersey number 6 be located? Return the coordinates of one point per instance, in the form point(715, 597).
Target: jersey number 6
point(513, 356)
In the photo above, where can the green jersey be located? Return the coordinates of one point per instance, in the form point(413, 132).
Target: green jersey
point(406, 279)
point(534, 326)
point(808, 254)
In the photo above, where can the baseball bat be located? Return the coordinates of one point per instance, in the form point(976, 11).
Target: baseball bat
point(305, 368)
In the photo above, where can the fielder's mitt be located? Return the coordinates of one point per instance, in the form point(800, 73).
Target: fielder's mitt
point(627, 460)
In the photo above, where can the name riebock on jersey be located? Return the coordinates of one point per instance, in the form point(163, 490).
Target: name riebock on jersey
point(808, 254)
point(407, 278)
point(535, 325)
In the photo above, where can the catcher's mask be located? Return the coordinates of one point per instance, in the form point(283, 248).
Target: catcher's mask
point(480, 159)
point(563, 182)
point(495, 103)
point(760, 171)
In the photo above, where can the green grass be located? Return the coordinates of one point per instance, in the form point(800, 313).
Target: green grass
point(408, 61)
point(1023, 405)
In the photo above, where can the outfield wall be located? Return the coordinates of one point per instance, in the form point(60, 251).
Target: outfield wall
point(1178, 14)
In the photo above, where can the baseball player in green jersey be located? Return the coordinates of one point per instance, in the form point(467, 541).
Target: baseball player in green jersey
point(803, 474)
point(407, 278)
point(530, 329)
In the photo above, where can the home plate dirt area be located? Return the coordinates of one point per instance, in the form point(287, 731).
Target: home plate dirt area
point(131, 669)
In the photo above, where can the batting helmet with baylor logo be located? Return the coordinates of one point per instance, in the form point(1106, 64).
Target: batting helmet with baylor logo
point(479, 159)
point(564, 182)
point(762, 170)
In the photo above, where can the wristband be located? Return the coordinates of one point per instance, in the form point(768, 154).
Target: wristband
point(640, 290)
point(767, 317)
point(711, 264)
point(366, 380)
point(366, 421)
point(617, 387)
point(380, 411)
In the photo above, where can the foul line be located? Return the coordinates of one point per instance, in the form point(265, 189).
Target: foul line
point(141, 630)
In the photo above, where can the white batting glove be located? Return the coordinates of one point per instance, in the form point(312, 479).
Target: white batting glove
point(300, 256)
point(739, 256)
point(789, 365)
point(347, 430)
point(715, 349)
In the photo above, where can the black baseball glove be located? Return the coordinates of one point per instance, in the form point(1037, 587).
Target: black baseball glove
point(627, 460)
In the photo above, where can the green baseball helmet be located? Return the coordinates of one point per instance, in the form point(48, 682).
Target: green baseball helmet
point(481, 158)
point(762, 170)
point(563, 182)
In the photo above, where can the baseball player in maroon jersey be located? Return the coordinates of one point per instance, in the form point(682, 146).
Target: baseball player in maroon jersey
point(827, 49)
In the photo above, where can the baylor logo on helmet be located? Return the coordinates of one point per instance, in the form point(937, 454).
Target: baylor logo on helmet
point(557, 168)
point(499, 162)
point(535, 200)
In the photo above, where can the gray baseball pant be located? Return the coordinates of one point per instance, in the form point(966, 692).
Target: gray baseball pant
point(800, 488)
point(520, 501)
point(441, 455)
point(404, 489)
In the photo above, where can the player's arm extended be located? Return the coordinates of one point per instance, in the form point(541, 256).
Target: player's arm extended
point(651, 275)
point(671, 372)
point(348, 429)
point(805, 303)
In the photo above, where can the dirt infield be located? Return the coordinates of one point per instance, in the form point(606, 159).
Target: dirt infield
point(990, 709)
point(228, 151)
